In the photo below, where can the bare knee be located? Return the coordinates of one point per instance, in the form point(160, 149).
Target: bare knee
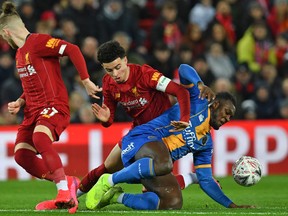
point(163, 166)
point(172, 202)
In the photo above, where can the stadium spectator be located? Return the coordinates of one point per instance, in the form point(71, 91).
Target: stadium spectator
point(150, 160)
point(194, 38)
point(219, 62)
point(89, 48)
point(84, 115)
point(167, 27)
point(114, 17)
point(224, 16)
point(7, 67)
point(256, 47)
point(278, 17)
point(269, 75)
point(83, 16)
point(266, 105)
point(244, 82)
point(254, 12)
point(45, 102)
point(281, 46)
point(162, 59)
point(202, 14)
point(126, 42)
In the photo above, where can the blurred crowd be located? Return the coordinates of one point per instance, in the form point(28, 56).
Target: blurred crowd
point(236, 45)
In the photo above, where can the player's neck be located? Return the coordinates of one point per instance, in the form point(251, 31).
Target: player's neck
point(21, 37)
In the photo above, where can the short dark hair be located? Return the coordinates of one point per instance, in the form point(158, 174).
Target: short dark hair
point(226, 96)
point(110, 51)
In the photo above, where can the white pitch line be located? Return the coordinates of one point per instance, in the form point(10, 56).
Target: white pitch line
point(153, 212)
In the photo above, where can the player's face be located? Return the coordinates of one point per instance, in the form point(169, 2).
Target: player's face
point(8, 38)
point(117, 69)
point(221, 113)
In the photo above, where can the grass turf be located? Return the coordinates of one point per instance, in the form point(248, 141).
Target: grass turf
point(270, 196)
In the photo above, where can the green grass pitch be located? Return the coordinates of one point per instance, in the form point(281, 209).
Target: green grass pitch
point(270, 196)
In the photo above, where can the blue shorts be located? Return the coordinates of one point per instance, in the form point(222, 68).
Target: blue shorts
point(133, 141)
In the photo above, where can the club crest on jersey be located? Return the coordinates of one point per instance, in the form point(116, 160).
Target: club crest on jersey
point(134, 91)
point(52, 43)
point(27, 61)
point(117, 95)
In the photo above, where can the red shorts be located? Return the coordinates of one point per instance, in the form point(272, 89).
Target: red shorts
point(56, 122)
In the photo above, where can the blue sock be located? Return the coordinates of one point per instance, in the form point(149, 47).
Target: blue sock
point(145, 201)
point(140, 169)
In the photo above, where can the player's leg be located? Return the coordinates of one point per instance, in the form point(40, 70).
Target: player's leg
point(112, 164)
point(42, 139)
point(152, 159)
point(167, 189)
point(164, 194)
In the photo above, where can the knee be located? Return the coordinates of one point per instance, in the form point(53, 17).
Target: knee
point(174, 202)
point(163, 166)
point(22, 156)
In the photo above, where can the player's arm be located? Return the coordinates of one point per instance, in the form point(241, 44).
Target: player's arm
point(48, 46)
point(109, 104)
point(189, 78)
point(15, 106)
point(212, 189)
point(75, 55)
point(209, 186)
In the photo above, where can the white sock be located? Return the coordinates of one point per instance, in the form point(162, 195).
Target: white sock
point(190, 178)
point(110, 181)
point(79, 193)
point(62, 185)
point(120, 198)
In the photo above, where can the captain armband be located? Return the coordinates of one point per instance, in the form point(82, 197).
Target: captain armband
point(163, 83)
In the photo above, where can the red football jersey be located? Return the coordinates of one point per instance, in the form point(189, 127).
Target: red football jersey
point(38, 66)
point(138, 95)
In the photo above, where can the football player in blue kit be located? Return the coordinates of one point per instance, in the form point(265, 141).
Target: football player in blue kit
point(148, 152)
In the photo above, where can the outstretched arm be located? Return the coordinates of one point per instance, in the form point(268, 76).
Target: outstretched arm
point(211, 188)
point(75, 55)
point(189, 78)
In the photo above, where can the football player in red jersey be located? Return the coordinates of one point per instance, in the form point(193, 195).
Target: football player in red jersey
point(45, 102)
point(143, 92)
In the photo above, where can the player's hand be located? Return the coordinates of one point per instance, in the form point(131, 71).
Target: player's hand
point(91, 88)
point(178, 126)
point(233, 205)
point(14, 107)
point(101, 113)
point(206, 92)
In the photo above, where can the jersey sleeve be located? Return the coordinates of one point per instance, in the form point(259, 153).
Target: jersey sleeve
point(161, 83)
point(202, 164)
point(48, 46)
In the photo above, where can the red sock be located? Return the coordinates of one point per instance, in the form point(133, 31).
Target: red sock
point(91, 178)
point(52, 160)
point(180, 181)
point(31, 163)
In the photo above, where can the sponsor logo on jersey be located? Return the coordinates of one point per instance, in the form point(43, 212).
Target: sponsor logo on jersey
point(129, 148)
point(189, 135)
point(134, 103)
point(201, 117)
point(26, 71)
point(52, 43)
point(204, 140)
point(155, 76)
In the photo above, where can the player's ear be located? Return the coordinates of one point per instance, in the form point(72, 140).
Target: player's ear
point(215, 104)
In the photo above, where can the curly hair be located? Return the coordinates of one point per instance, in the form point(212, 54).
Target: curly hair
point(110, 51)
